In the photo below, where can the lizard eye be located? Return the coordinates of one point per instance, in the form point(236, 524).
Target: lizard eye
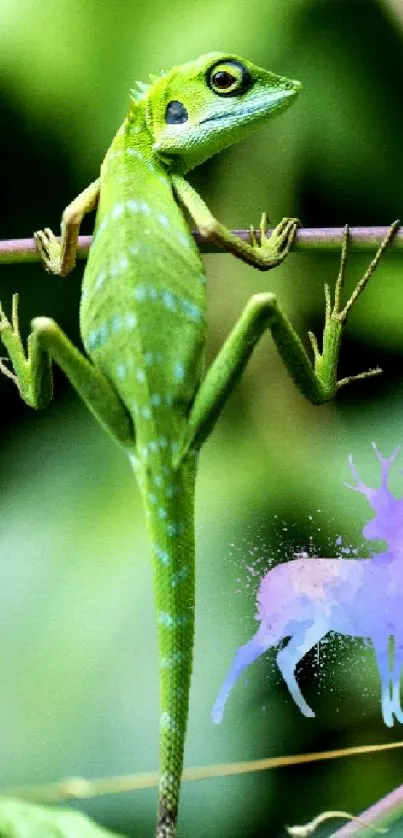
point(229, 78)
point(223, 80)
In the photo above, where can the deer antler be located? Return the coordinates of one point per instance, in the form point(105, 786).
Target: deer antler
point(374, 496)
point(386, 463)
point(359, 485)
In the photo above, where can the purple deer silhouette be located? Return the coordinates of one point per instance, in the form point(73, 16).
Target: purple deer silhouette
point(305, 598)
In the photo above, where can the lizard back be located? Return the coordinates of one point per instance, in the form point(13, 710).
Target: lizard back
point(143, 304)
point(143, 323)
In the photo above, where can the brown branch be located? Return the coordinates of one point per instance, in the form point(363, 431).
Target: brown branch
point(307, 239)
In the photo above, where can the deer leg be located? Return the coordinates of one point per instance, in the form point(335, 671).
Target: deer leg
point(245, 655)
point(288, 658)
point(387, 703)
point(396, 676)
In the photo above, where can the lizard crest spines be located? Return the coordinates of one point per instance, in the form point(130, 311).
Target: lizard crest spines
point(142, 89)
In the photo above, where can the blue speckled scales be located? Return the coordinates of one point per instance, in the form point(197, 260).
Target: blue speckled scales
point(145, 271)
point(143, 324)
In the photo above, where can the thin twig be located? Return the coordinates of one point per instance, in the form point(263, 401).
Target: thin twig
point(311, 827)
point(381, 814)
point(307, 239)
point(79, 787)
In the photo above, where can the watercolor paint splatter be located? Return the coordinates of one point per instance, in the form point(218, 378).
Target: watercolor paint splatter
point(303, 599)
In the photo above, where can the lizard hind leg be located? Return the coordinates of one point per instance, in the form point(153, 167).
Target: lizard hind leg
point(32, 372)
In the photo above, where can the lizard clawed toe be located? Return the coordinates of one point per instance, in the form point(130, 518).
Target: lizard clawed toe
point(285, 233)
point(5, 324)
point(49, 248)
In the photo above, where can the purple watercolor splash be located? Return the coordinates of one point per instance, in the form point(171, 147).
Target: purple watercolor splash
point(306, 598)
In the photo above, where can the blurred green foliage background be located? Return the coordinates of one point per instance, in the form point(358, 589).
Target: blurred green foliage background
point(78, 657)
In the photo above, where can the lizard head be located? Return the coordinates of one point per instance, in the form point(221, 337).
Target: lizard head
point(198, 109)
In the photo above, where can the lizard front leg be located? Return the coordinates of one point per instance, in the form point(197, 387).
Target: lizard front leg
point(317, 381)
point(272, 249)
point(33, 372)
point(60, 257)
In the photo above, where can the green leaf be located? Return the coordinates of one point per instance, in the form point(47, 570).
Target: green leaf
point(19, 819)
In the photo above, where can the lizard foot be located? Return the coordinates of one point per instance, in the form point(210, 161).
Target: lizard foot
point(276, 246)
point(50, 250)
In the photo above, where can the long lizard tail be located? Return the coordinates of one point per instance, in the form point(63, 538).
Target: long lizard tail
point(171, 528)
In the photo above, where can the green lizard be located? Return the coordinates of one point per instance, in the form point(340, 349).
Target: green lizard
point(143, 326)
